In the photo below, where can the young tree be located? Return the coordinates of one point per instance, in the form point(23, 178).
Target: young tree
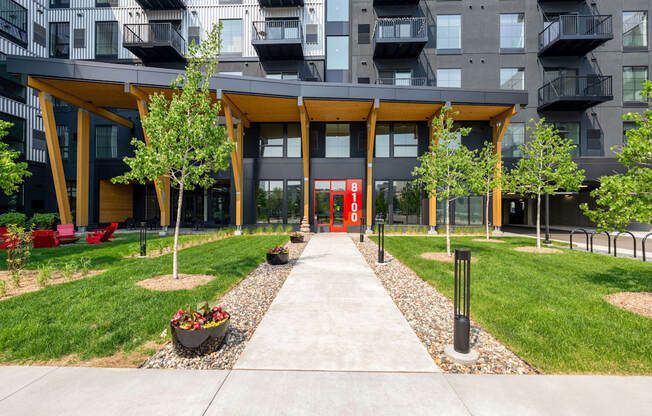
point(484, 176)
point(186, 144)
point(12, 173)
point(547, 165)
point(627, 197)
point(444, 168)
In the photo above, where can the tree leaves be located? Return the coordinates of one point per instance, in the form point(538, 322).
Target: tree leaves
point(12, 173)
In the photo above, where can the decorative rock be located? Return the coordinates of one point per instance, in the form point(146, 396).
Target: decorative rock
point(466, 359)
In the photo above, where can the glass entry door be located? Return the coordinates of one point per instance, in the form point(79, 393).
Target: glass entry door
point(337, 212)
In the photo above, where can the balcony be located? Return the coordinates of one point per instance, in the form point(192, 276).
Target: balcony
point(278, 39)
point(280, 3)
point(574, 35)
point(396, 2)
point(575, 93)
point(403, 37)
point(162, 4)
point(407, 82)
point(154, 42)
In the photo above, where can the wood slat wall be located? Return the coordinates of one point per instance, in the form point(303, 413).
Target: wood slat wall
point(116, 202)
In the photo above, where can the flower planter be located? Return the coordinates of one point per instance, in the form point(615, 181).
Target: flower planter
point(296, 240)
point(200, 339)
point(276, 259)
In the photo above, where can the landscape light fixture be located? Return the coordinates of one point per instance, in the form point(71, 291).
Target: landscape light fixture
point(143, 239)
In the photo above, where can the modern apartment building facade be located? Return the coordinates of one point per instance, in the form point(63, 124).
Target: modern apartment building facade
point(581, 64)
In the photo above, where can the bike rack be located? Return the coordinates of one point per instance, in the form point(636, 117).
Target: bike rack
point(618, 235)
point(643, 243)
point(585, 233)
point(593, 233)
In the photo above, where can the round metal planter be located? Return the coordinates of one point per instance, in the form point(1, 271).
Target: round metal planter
point(276, 259)
point(296, 240)
point(200, 339)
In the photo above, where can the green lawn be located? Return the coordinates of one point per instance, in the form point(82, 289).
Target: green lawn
point(548, 308)
point(101, 315)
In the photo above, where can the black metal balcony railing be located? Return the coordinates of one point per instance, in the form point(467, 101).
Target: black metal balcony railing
point(280, 3)
point(278, 30)
point(575, 92)
point(414, 81)
point(396, 2)
point(161, 36)
point(162, 4)
point(400, 28)
point(584, 32)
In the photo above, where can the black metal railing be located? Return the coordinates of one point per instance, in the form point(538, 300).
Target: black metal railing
point(587, 86)
point(400, 28)
point(276, 30)
point(151, 34)
point(414, 81)
point(576, 25)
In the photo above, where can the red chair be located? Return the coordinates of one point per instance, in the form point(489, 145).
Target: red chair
point(3, 233)
point(66, 233)
point(44, 239)
point(103, 235)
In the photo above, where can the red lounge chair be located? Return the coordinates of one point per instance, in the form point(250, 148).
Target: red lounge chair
point(44, 239)
point(66, 233)
point(103, 235)
point(3, 233)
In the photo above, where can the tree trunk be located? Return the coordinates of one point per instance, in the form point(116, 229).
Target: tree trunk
point(538, 220)
point(486, 209)
point(448, 234)
point(175, 261)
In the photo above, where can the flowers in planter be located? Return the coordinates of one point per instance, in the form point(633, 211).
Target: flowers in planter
point(296, 234)
point(201, 318)
point(279, 250)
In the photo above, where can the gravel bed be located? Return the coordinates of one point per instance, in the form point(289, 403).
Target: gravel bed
point(246, 303)
point(430, 314)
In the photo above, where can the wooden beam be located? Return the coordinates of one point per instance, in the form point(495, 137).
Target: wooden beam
point(305, 154)
point(504, 115)
point(371, 139)
point(235, 165)
point(499, 129)
point(54, 152)
point(136, 92)
point(77, 102)
point(235, 111)
point(83, 154)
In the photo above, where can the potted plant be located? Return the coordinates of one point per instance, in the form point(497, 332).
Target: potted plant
point(296, 237)
point(196, 329)
point(278, 255)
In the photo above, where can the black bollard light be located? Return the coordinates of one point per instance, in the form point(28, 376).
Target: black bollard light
point(143, 239)
point(362, 228)
point(381, 240)
point(462, 328)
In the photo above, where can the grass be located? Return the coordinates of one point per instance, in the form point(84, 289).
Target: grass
point(101, 315)
point(548, 308)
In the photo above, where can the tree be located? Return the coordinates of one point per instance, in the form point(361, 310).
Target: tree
point(12, 173)
point(484, 175)
point(546, 166)
point(627, 197)
point(186, 144)
point(444, 168)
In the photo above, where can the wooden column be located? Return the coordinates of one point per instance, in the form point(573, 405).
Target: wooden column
point(236, 165)
point(371, 139)
point(499, 124)
point(83, 153)
point(54, 152)
point(432, 199)
point(305, 151)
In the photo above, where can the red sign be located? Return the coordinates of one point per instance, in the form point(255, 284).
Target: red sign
point(353, 202)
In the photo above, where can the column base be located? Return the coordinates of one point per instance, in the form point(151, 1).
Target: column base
point(81, 229)
point(369, 230)
point(432, 230)
point(497, 231)
point(305, 226)
point(164, 230)
point(238, 230)
point(465, 359)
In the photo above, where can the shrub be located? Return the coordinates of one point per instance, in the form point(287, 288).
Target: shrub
point(68, 269)
point(13, 218)
point(269, 229)
point(44, 275)
point(288, 228)
point(203, 317)
point(18, 251)
point(84, 265)
point(44, 221)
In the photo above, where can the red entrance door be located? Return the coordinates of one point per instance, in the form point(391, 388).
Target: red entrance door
point(337, 203)
point(337, 212)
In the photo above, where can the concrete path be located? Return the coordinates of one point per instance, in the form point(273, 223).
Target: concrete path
point(333, 314)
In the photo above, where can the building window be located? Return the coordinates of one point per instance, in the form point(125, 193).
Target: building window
point(337, 53)
point(60, 40)
point(106, 39)
point(63, 133)
point(449, 32)
point(382, 140)
point(449, 78)
point(337, 11)
point(513, 138)
point(71, 190)
point(406, 203)
point(288, 76)
point(106, 142)
point(16, 134)
point(271, 140)
point(570, 130)
point(381, 204)
point(338, 140)
point(231, 36)
point(466, 210)
point(635, 29)
point(10, 85)
point(406, 142)
point(512, 31)
point(512, 78)
point(59, 4)
point(633, 78)
point(236, 73)
point(294, 202)
point(269, 202)
point(628, 125)
point(293, 140)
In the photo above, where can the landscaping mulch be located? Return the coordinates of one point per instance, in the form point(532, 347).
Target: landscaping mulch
point(167, 282)
point(28, 281)
point(637, 302)
point(539, 250)
point(246, 303)
point(430, 314)
point(485, 240)
point(442, 256)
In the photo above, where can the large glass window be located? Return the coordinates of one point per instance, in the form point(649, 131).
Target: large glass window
point(231, 36)
point(382, 140)
point(381, 204)
point(512, 31)
point(59, 4)
point(290, 76)
point(513, 138)
point(476, 210)
point(271, 140)
point(512, 78)
point(449, 31)
point(10, 85)
point(570, 130)
point(338, 140)
point(294, 202)
point(337, 10)
point(106, 39)
point(449, 78)
point(337, 53)
point(633, 78)
point(294, 140)
point(405, 140)
point(269, 202)
point(13, 17)
point(461, 211)
point(467, 210)
point(106, 142)
point(60, 40)
point(16, 134)
point(63, 133)
point(635, 29)
point(406, 203)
